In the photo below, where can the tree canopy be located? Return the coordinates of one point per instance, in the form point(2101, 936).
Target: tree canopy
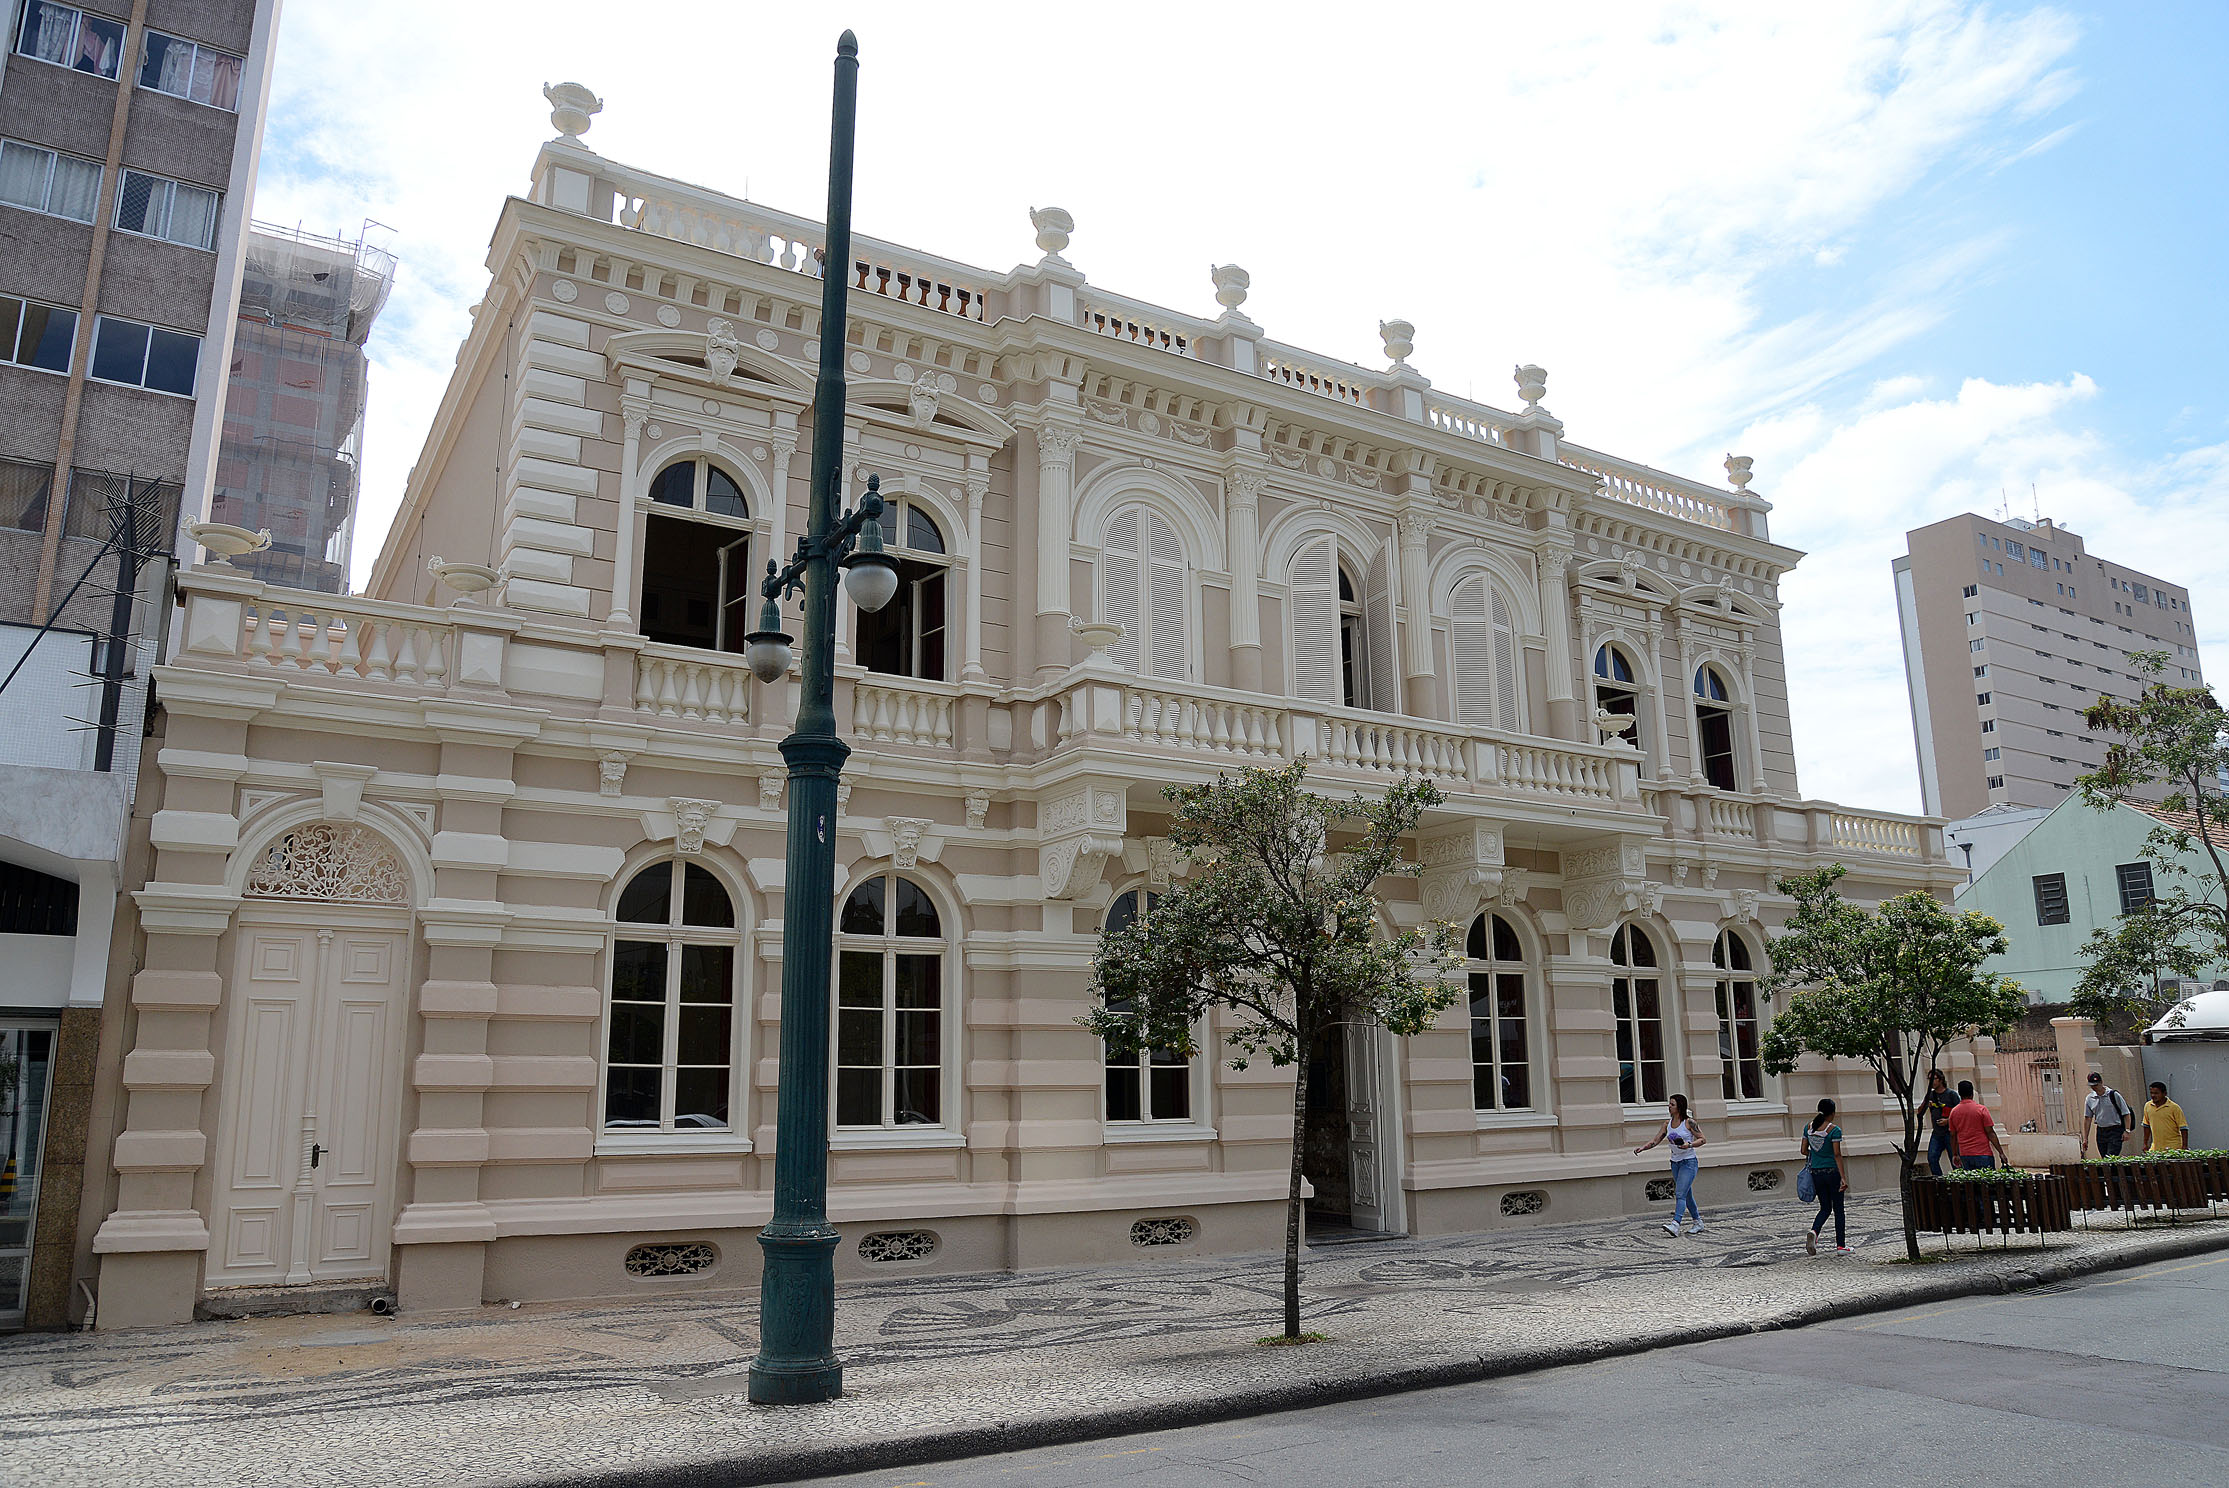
point(1892, 986)
point(1278, 921)
point(2170, 751)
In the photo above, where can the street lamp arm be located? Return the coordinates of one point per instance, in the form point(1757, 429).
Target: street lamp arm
point(834, 544)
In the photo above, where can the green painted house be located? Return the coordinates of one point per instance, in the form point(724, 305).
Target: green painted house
point(2077, 870)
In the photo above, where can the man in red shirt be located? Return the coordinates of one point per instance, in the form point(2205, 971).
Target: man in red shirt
point(1973, 1131)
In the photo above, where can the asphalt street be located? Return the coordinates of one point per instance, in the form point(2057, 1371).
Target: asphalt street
point(2120, 1379)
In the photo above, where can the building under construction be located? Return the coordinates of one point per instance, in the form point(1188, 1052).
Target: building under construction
point(294, 408)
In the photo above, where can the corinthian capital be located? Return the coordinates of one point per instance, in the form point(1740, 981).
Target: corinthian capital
point(1056, 444)
point(1553, 562)
point(636, 418)
point(1415, 527)
point(1246, 486)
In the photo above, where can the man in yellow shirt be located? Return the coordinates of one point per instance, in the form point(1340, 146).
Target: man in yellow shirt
point(2165, 1130)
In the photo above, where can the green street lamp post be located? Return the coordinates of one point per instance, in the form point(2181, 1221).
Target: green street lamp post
point(797, 1361)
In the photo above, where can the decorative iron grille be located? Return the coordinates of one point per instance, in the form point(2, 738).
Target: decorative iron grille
point(1164, 1232)
point(688, 1259)
point(897, 1245)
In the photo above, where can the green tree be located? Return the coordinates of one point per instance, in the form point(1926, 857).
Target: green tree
point(1892, 986)
point(1278, 923)
point(2172, 749)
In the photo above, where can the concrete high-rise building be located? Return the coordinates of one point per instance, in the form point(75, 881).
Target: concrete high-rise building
point(2011, 630)
point(129, 131)
point(294, 409)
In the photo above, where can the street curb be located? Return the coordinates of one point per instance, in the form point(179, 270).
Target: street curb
point(789, 1464)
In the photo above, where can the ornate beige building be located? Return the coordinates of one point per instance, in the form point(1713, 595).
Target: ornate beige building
point(459, 951)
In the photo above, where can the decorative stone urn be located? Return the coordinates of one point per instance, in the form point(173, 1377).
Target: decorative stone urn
point(1399, 338)
point(1098, 637)
point(225, 542)
point(1532, 386)
point(1053, 226)
point(467, 579)
point(1231, 284)
point(571, 107)
point(1738, 473)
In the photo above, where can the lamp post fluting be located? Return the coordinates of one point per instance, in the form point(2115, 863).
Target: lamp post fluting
point(797, 1361)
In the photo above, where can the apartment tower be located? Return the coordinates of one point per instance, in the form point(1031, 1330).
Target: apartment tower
point(2011, 630)
point(128, 139)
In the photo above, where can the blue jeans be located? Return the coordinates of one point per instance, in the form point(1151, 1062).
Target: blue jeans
point(1826, 1184)
point(1977, 1162)
point(1683, 1190)
point(1938, 1143)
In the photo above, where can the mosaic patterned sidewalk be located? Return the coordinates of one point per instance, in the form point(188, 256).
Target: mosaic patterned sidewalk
point(639, 1391)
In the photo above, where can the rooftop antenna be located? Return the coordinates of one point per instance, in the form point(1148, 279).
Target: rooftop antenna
point(2035, 501)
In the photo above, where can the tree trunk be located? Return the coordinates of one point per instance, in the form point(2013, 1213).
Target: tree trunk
point(1292, 1195)
point(1908, 1158)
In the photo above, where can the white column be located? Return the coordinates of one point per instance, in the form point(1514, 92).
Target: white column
point(1242, 522)
point(777, 532)
point(1416, 642)
point(623, 545)
point(1759, 782)
point(1056, 468)
point(1565, 714)
point(971, 641)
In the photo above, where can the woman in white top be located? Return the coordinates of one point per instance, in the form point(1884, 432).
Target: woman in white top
point(1686, 1137)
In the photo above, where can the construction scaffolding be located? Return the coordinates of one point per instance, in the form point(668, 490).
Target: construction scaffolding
point(294, 406)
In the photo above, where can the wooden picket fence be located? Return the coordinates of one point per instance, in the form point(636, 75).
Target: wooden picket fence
point(2168, 1183)
point(2014, 1204)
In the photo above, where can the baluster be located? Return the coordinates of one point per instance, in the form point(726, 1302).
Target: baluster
point(692, 692)
point(944, 730)
point(351, 660)
point(669, 690)
point(436, 664)
point(646, 683)
point(378, 662)
point(406, 654)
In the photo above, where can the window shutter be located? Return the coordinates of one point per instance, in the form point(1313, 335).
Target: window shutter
point(1165, 653)
point(1505, 663)
point(1315, 622)
point(1470, 638)
point(1377, 625)
point(1121, 571)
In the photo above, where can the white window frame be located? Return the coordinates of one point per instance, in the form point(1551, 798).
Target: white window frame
point(10, 359)
point(168, 194)
point(198, 49)
point(1729, 1036)
point(949, 1130)
point(666, 1137)
point(754, 527)
point(1667, 1020)
point(1193, 1127)
point(77, 27)
point(1638, 687)
point(1736, 720)
point(1494, 968)
point(897, 529)
point(1143, 640)
point(54, 159)
point(150, 328)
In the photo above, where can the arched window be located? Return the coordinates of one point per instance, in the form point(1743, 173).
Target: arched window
point(1483, 643)
point(673, 1044)
point(1740, 1064)
point(1637, 1004)
point(1152, 1084)
point(1354, 643)
point(1342, 630)
point(1142, 588)
point(890, 1006)
point(1617, 690)
point(1714, 729)
point(1501, 1049)
point(906, 637)
point(697, 584)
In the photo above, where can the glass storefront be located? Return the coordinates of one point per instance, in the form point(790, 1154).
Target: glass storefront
point(26, 1072)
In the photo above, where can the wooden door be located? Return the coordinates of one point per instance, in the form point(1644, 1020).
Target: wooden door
point(305, 1158)
point(1367, 1199)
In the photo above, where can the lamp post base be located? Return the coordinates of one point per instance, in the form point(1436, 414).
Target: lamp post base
point(796, 1364)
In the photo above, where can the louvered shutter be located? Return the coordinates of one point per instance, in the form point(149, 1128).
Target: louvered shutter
point(1165, 652)
point(1377, 627)
point(1121, 571)
point(1314, 622)
point(1471, 641)
point(1505, 662)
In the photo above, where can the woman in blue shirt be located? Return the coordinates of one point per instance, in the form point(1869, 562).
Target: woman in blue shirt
point(1830, 1180)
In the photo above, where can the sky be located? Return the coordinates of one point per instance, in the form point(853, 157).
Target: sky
point(1912, 258)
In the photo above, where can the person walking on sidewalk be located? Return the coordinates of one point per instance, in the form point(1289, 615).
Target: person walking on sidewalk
point(2105, 1109)
point(1830, 1180)
point(1940, 1098)
point(2165, 1128)
point(1685, 1136)
point(1974, 1130)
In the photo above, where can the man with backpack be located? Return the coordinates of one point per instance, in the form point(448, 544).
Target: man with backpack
point(2105, 1109)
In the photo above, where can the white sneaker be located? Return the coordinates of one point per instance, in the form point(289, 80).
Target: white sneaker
point(1672, 1229)
point(1696, 1228)
point(1842, 1250)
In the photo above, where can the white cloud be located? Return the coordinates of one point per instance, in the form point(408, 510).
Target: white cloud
point(1601, 189)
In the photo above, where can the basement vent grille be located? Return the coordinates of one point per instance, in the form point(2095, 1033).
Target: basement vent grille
point(671, 1260)
point(1523, 1202)
point(897, 1245)
point(1164, 1232)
